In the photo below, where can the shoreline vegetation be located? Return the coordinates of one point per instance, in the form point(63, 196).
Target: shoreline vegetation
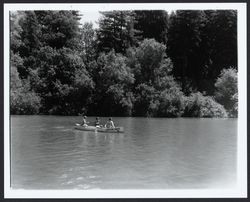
point(136, 63)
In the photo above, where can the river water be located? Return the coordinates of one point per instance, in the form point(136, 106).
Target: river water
point(153, 153)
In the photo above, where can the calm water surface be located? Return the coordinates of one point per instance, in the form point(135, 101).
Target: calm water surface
point(153, 153)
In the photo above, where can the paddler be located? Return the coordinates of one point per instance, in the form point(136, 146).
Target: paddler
point(84, 121)
point(110, 123)
point(97, 122)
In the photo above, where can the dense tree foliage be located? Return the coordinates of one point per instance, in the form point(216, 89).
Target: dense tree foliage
point(153, 82)
point(227, 91)
point(197, 105)
point(113, 85)
point(184, 42)
point(201, 44)
point(151, 24)
point(146, 59)
point(87, 43)
point(116, 31)
point(15, 31)
point(23, 100)
point(59, 28)
point(136, 63)
point(58, 78)
point(220, 34)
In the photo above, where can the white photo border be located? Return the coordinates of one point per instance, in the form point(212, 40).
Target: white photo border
point(240, 191)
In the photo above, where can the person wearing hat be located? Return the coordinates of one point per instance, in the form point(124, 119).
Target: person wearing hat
point(84, 121)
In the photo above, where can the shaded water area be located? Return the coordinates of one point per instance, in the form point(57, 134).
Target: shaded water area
point(153, 153)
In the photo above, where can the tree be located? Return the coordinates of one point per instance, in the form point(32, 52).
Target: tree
point(146, 59)
point(144, 100)
point(151, 24)
point(82, 93)
point(88, 47)
point(25, 32)
point(30, 34)
point(201, 44)
point(59, 73)
point(227, 91)
point(116, 31)
point(59, 28)
point(15, 62)
point(156, 91)
point(22, 99)
point(113, 85)
point(48, 61)
point(15, 31)
point(183, 47)
point(221, 36)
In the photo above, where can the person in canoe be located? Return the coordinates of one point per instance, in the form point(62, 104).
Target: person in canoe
point(97, 122)
point(110, 123)
point(84, 121)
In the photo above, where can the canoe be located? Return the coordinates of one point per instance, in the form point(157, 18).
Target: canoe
point(102, 129)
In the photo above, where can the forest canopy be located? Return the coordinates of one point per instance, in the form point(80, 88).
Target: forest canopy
point(136, 63)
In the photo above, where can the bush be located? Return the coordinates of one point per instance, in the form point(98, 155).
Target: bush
point(227, 91)
point(197, 105)
point(234, 111)
point(171, 102)
point(144, 100)
point(164, 99)
point(24, 101)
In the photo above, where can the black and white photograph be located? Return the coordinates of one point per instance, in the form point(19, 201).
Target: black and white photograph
point(121, 100)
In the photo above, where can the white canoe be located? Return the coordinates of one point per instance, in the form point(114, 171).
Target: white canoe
point(102, 129)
